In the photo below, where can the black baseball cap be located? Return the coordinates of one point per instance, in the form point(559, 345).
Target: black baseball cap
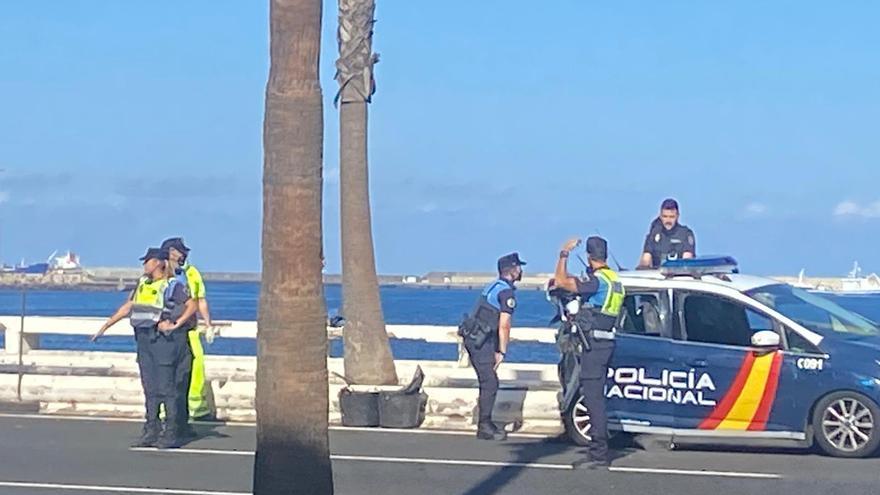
point(509, 260)
point(155, 253)
point(176, 243)
point(597, 248)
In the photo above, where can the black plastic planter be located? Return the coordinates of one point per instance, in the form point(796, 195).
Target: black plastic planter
point(359, 408)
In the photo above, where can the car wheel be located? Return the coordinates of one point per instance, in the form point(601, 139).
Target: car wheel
point(577, 422)
point(845, 424)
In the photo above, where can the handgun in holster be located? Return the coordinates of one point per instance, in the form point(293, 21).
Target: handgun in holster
point(473, 331)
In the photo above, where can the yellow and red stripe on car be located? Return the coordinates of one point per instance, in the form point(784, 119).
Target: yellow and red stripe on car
point(748, 401)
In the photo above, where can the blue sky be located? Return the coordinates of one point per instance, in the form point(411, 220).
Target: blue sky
point(496, 126)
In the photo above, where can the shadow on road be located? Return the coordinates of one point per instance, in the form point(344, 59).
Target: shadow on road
point(533, 452)
point(206, 430)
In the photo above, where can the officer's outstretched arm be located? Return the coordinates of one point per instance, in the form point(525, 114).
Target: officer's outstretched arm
point(646, 260)
point(120, 313)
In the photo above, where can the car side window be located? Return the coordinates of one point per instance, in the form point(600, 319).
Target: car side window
point(797, 343)
point(758, 322)
point(716, 320)
point(644, 315)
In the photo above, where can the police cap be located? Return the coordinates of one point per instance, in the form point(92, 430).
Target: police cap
point(597, 248)
point(176, 243)
point(509, 261)
point(155, 253)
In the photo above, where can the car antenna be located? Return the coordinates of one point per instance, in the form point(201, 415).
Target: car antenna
point(619, 268)
point(586, 266)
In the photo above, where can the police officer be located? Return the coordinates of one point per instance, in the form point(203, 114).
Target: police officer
point(161, 313)
point(667, 239)
point(198, 403)
point(603, 293)
point(491, 320)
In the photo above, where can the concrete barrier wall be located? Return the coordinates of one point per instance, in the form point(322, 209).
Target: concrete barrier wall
point(107, 383)
point(34, 326)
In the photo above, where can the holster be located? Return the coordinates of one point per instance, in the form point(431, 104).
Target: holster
point(474, 332)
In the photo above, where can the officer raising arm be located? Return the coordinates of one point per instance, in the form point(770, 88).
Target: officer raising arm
point(667, 239)
point(603, 294)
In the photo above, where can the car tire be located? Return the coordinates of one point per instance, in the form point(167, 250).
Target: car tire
point(847, 424)
point(576, 422)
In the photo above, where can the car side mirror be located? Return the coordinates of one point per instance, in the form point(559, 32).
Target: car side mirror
point(766, 338)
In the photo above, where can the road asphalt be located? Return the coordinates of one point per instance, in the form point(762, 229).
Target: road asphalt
point(52, 455)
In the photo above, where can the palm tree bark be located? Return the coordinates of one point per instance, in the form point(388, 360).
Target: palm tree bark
point(293, 455)
point(367, 353)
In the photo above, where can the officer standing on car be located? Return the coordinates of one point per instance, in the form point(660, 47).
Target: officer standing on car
point(604, 294)
point(486, 333)
point(667, 239)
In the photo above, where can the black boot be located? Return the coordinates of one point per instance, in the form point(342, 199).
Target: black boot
point(149, 437)
point(169, 438)
point(488, 431)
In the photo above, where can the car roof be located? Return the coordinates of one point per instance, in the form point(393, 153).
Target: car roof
point(736, 281)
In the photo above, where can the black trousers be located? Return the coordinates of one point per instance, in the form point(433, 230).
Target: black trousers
point(594, 369)
point(165, 362)
point(483, 361)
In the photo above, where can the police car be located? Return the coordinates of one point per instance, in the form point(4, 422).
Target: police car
point(705, 353)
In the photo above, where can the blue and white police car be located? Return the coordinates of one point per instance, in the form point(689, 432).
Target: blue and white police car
point(705, 353)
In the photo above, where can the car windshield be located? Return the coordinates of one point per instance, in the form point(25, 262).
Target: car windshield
point(813, 312)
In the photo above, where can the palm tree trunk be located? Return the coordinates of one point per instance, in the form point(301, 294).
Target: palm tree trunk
point(293, 455)
point(368, 356)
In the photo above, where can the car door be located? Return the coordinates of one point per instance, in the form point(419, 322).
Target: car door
point(730, 386)
point(642, 357)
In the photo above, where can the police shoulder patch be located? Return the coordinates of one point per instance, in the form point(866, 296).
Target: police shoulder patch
point(657, 237)
point(511, 302)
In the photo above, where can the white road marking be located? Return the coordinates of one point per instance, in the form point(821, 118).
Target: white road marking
point(66, 417)
point(194, 451)
point(695, 472)
point(420, 431)
point(112, 489)
point(449, 462)
point(499, 464)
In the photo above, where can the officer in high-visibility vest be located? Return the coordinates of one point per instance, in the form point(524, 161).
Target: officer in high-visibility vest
point(198, 405)
point(603, 294)
point(161, 313)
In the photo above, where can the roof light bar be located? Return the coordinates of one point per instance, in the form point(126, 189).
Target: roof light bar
point(699, 266)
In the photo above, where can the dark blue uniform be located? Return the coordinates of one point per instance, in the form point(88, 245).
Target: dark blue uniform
point(594, 369)
point(498, 297)
point(670, 244)
point(165, 361)
point(603, 293)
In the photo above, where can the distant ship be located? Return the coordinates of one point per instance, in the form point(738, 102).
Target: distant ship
point(855, 283)
point(69, 262)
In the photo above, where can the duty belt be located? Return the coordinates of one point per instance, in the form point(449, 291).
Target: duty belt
point(603, 334)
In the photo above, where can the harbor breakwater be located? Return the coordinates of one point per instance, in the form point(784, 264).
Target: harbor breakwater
point(119, 279)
